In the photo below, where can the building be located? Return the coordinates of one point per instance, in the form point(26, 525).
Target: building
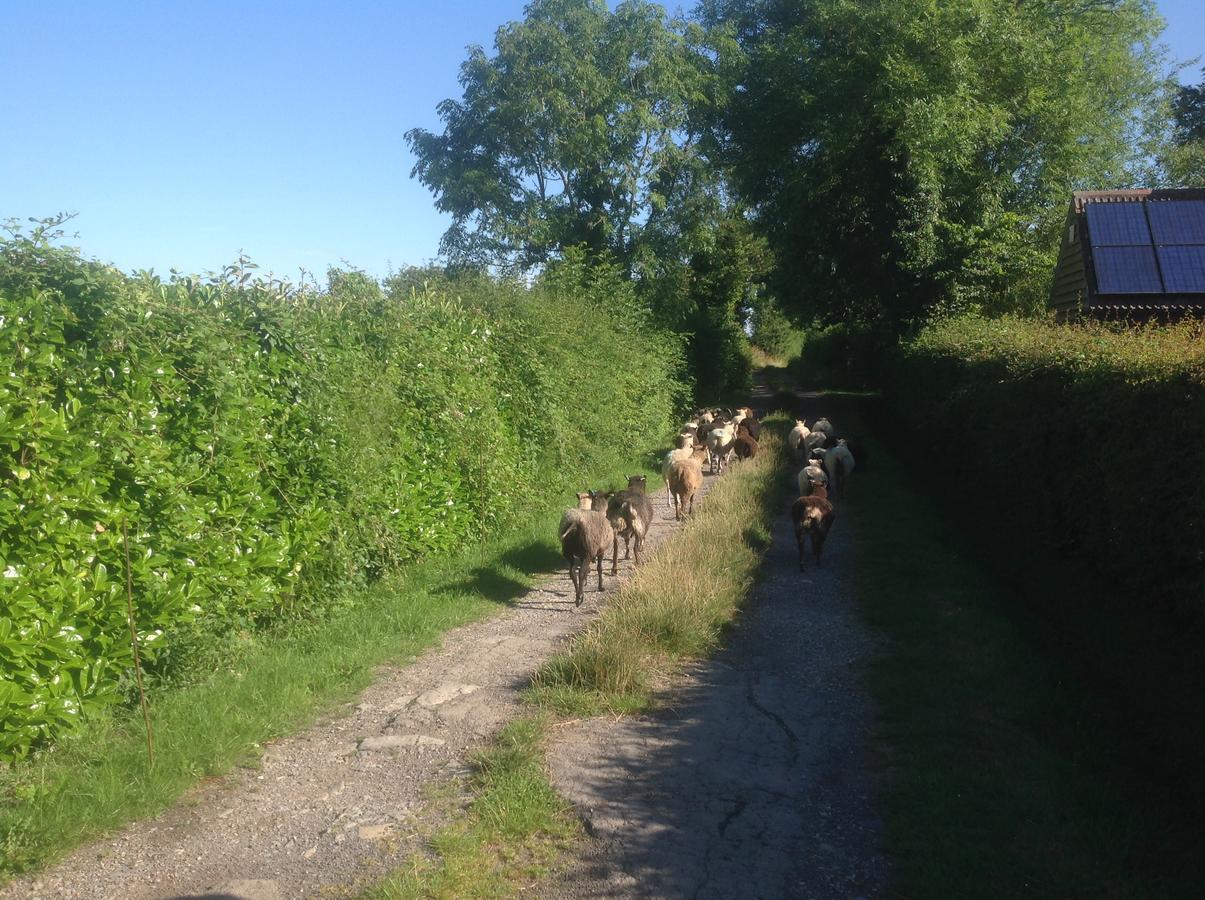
point(1132, 254)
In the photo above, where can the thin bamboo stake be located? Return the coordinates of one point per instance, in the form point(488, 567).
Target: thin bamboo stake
point(146, 715)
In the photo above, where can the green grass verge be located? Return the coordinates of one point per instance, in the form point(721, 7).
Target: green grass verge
point(99, 778)
point(1013, 768)
point(510, 836)
point(661, 615)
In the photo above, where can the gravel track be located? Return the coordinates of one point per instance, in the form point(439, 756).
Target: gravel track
point(331, 809)
point(753, 777)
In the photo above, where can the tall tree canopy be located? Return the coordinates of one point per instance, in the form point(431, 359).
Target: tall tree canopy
point(1184, 160)
point(905, 152)
point(580, 129)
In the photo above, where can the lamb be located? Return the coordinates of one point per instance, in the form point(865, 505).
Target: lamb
point(839, 462)
point(811, 476)
point(585, 534)
point(744, 446)
point(720, 442)
point(813, 515)
point(684, 479)
point(630, 513)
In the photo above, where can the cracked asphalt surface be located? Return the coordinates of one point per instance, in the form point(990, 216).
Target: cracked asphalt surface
point(754, 777)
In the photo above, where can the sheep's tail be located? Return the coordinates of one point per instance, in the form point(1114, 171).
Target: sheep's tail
point(573, 526)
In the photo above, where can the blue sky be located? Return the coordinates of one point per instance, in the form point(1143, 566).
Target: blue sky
point(182, 132)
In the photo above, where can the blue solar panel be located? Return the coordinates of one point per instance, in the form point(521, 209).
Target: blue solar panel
point(1117, 224)
point(1183, 268)
point(1126, 270)
point(1177, 221)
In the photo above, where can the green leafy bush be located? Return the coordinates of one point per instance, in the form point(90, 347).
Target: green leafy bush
point(263, 446)
point(774, 333)
point(1089, 437)
point(843, 355)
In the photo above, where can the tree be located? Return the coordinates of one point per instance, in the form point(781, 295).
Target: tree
point(1188, 107)
point(1184, 159)
point(579, 130)
point(905, 153)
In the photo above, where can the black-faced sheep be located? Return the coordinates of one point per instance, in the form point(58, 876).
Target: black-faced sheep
point(585, 535)
point(813, 515)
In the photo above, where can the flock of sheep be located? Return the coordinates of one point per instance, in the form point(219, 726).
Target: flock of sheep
point(828, 461)
point(711, 437)
point(603, 517)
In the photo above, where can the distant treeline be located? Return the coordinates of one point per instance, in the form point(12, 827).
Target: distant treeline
point(263, 447)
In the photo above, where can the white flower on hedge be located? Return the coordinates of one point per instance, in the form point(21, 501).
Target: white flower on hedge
point(194, 608)
point(11, 572)
point(154, 412)
point(152, 636)
point(449, 503)
point(191, 563)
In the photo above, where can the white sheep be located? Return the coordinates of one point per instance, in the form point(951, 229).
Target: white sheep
point(720, 443)
point(839, 462)
point(798, 433)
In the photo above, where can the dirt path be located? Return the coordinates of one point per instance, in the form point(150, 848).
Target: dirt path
point(333, 807)
point(753, 778)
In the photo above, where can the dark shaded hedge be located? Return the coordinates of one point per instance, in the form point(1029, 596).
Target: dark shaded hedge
point(1091, 437)
point(264, 446)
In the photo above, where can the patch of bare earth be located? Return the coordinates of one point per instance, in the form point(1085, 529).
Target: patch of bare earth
point(335, 807)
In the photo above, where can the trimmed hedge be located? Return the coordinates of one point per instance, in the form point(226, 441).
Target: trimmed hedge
point(264, 446)
point(1090, 436)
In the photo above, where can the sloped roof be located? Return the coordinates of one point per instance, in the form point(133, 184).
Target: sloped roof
point(1144, 247)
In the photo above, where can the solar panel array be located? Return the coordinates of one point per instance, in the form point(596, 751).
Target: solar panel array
point(1148, 247)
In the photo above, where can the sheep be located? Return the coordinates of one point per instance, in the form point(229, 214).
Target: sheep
point(813, 515)
point(838, 462)
point(744, 446)
point(813, 440)
point(751, 427)
point(585, 534)
point(798, 433)
point(811, 476)
point(684, 450)
point(720, 442)
point(684, 479)
point(630, 514)
point(826, 426)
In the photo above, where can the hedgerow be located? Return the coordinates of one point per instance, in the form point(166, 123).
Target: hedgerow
point(262, 446)
point(1090, 437)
